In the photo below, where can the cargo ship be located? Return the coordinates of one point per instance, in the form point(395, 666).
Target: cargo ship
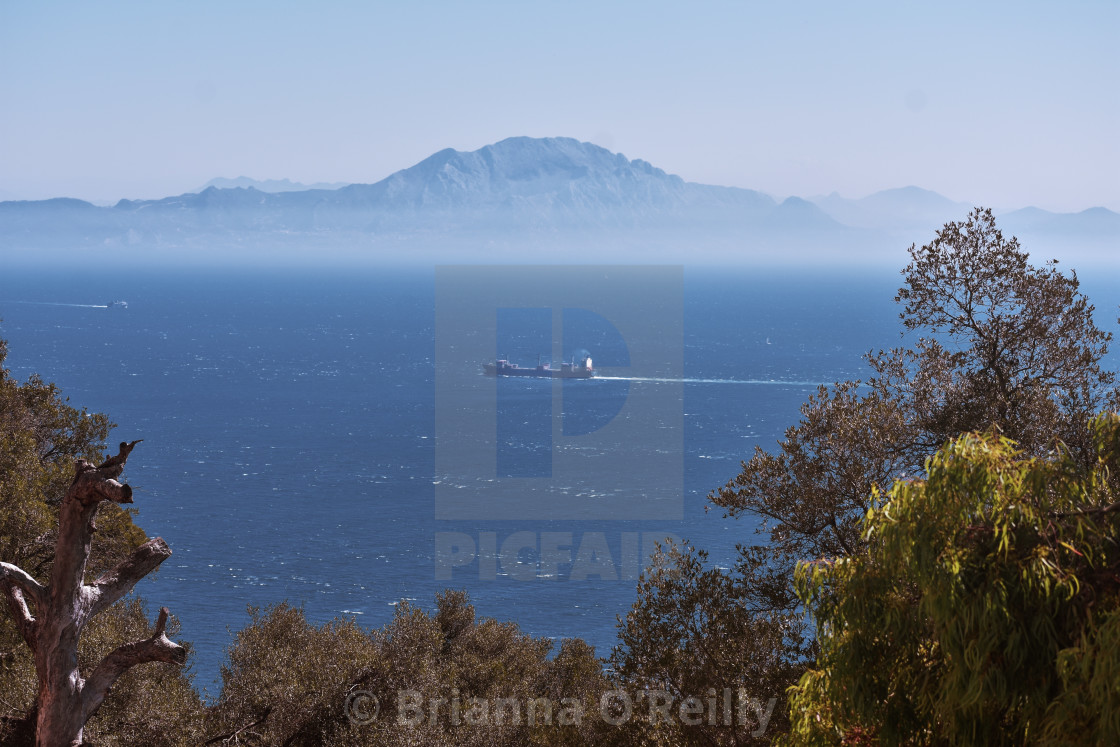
point(573, 370)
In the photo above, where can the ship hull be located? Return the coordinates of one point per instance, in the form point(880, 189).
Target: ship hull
point(540, 372)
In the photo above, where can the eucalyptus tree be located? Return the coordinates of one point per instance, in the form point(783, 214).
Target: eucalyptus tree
point(986, 610)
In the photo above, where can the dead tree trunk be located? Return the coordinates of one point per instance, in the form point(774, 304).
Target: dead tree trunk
point(51, 618)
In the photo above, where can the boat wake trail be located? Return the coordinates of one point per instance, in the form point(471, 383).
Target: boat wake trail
point(53, 303)
point(757, 382)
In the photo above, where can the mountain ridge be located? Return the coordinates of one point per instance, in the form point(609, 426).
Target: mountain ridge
point(268, 185)
point(516, 183)
point(516, 189)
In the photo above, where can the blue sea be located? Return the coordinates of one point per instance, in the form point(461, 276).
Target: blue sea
point(288, 420)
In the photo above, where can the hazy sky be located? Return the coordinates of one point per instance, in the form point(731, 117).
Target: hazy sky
point(1004, 105)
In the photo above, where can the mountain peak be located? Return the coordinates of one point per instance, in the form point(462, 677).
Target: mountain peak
point(529, 175)
point(909, 194)
point(524, 157)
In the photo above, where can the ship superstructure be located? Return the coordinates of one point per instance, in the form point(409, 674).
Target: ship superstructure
point(576, 369)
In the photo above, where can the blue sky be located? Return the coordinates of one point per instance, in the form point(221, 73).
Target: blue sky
point(1005, 105)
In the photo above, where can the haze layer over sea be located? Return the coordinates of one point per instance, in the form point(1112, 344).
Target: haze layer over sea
point(288, 421)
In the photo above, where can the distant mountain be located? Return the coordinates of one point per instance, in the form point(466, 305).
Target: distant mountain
point(795, 213)
point(268, 185)
point(548, 183)
point(903, 208)
point(1095, 222)
point(521, 198)
point(520, 184)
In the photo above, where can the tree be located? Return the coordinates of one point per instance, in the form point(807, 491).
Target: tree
point(692, 632)
point(51, 617)
point(288, 682)
point(154, 705)
point(1006, 345)
point(985, 611)
point(1009, 346)
point(47, 512)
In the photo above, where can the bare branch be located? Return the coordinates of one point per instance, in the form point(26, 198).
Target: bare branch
point(111, 490)
point(95, 484)
point(156, 648)
point(90, 486)
point(114, 466)
point(115, 583)
point(13, 575)
point(25, 621)
point(16, 583)
point(235, 734)
point(161, 621)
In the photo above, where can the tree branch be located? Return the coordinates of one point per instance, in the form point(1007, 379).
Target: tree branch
point(156, 648)
point(96, 484)
point(114, 466)
point(16, 583)
point(115, 583)
point(1094, 511)
point(234, 734)
point(90, 486)
point(25, 621)
point(13, 575)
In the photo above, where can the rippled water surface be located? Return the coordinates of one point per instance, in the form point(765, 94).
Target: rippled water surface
point(288, 426)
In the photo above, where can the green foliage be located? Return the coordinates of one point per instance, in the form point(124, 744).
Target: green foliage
point(290, 682)
point(691, 631)
point(293, 675)
point(985, 611)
